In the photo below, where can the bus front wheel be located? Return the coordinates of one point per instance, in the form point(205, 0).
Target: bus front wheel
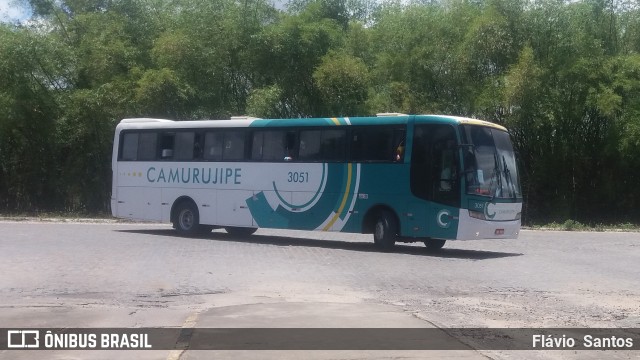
point(385, 231)
point(434, 244)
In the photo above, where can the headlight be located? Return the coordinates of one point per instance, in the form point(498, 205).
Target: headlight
point(518, 215)
point(477, 215)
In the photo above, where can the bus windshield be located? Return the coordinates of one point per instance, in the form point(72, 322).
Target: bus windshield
point(490, 163)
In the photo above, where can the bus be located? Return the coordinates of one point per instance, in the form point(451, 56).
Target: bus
point(402, 178)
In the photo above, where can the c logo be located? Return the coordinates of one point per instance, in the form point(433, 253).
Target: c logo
point(486, 211)
point(443, 218)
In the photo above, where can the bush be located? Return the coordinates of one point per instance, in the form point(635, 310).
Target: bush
point(571, 225)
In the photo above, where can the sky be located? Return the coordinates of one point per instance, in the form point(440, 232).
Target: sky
point(13, 10)
point(18, 10)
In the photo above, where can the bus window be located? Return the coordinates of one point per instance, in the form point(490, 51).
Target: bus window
point(322, 145)
point(147, 145)
point(166, 146)
point(273, 148)
point(257, 146)
point(399, 144)
point(273, 145)
point(213, 146)
point(444, 166)
point(233, 145)
point(310, 145)
point(184, 144)
point(198, 146)
point(490, 165)
point(129, 147)
point(373, 144)
point(290, 146)
point(333, 145)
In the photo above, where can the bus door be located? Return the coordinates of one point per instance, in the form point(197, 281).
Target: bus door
point(435, 180)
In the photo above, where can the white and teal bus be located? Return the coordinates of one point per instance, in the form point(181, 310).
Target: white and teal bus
point(404, 178)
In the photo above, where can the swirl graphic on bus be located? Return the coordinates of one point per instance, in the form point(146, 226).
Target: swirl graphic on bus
point(328, 208)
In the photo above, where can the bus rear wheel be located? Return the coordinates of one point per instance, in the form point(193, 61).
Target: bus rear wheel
point(434, 244)
point(385, 231)
point(240, 231)
point(187, 219)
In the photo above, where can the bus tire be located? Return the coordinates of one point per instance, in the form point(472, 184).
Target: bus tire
point(434, 244)
point(240, 231)
point(187, 219)
point(385, 230)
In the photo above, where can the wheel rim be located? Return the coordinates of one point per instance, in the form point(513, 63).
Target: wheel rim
point(379, 232)
point(186, 219)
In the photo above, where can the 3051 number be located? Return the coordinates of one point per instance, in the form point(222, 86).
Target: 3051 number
point(298, 177)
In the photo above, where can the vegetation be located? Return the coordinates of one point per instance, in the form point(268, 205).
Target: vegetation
point(564, 76)
point(572, 225)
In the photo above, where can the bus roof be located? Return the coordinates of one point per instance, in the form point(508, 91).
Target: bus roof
point(389, 119)
point(462, 121)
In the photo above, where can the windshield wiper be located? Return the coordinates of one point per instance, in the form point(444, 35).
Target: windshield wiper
point(507, 176)
point(495, 173)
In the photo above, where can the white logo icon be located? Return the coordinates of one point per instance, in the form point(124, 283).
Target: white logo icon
point(23, 339)
point(443, 218)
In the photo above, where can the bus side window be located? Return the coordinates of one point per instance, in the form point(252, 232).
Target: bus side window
point(198, 146)
point(129, 147)
point(445, 183)
point(273, 149)
point(323, 145)
point(373, 143)
point(290, 149)
point(233, 149)
point(273, 145)
point(399, 144)
point(333, 145)
point(166, 146)
point(310, 145)
point(184, 145)
point(446, 165)
point(257, 145)
point(147, 146)
point(213, 146)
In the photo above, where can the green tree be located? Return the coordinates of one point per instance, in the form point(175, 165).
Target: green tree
point(343, 81)
point(160, 93)
point(266, 102)
point(27, 119)
point(563, 76)
point(288, 53)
